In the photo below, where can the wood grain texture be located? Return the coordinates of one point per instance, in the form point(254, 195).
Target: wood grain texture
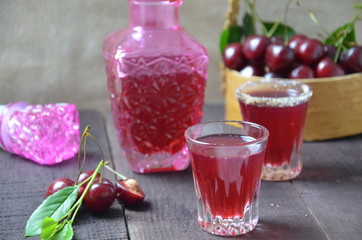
point(324, 202)
point(331, 185)
point(23, 185)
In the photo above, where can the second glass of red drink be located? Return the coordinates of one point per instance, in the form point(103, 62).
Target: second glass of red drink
point(281, 107)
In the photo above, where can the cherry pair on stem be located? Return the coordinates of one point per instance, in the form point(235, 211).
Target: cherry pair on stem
point(53, 218)
point(102, 192)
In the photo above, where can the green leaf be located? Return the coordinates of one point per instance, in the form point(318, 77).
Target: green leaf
point(55, 206)
point(279, 29)
point(65, 234)
point(48, 228)
point(230, 35)
point(345, 36)
point(248, 25)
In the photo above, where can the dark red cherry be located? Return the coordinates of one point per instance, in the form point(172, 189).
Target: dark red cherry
point(272, 75)
point(82, 177)
point(309, 51)
point(329, 51)
point(327, 68)
point(296, 40)
point(277, 40)
point(254, 48)
point(58, 184)
point(129, 192)
point(301, 72)
point(279, 58)
point(252, 70)
point(100, 196)
point(233, 56)
point(351, 59)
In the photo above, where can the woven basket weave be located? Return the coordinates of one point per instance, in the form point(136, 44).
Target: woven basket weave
point(335, 109)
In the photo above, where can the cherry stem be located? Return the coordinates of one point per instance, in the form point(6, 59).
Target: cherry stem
point(78, 204)
point(113, 171)
point(83, 143)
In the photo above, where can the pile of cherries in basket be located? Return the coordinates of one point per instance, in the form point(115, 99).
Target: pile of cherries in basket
point(301, 57)
point(103, 192)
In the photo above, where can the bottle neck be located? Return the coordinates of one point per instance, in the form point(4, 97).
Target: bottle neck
point(154, 14)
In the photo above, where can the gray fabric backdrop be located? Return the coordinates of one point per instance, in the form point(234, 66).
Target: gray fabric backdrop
point(50, 51)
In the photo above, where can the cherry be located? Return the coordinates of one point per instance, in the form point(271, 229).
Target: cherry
point(82, 177)
point(329, 51)
point(272, 75)
point(252, 70)
point(277, 40)
point(100, 196)
point(233, 56)
point(300, 72)
point(327, 68)
point(279, 58)
point(351, 59)
point(294, 41)
point(309, 51)
point(129, 192)
point(254, 47)
point(58, 184)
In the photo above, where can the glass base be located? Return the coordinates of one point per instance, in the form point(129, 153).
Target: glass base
point(280, 173)
point(158, 162)
point(228, 226)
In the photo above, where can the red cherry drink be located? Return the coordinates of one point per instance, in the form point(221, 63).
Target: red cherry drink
point(282, 111)
point(227, 159)
point(226, 189)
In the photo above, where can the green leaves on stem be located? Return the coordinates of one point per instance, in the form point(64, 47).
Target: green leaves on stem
point(56, 206)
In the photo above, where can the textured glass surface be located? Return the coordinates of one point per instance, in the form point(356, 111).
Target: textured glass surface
point(156, 80)
point(46, 134)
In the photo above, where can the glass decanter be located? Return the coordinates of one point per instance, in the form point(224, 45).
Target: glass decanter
point(156, 80)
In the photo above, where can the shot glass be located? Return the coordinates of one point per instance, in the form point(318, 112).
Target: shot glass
point(281, 107)
point(226, 159)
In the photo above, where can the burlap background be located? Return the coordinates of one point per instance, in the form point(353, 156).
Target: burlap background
point(51, 50)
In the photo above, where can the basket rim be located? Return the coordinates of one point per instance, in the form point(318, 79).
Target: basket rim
point(310, 80)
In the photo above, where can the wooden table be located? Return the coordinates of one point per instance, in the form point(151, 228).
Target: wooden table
point(324, 202)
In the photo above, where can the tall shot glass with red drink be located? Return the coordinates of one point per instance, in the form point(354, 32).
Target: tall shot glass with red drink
point(226, 159)
point(281, 107)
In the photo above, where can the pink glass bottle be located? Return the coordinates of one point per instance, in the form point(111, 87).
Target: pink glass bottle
point(46, 134)
point(156, 80)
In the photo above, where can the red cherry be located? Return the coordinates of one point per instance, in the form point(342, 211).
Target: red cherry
point(309, 51)
point(296, 40)
point(352, 59)
point(327, 68)
point(100, 196)
point(252, 70)
point(233, 56)
point(254, 47)
point(279, 58)
point(277, 40)
point(82, 177)
point(58, 184)
point(301, 72)
point(272, 75)
point(329, 51)
point(129, 192)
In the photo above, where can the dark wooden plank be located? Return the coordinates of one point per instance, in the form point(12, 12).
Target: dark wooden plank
point(169, 211)
point(23, 184)
point(331, 185)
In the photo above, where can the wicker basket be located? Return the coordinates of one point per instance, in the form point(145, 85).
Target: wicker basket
point(335, 109)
